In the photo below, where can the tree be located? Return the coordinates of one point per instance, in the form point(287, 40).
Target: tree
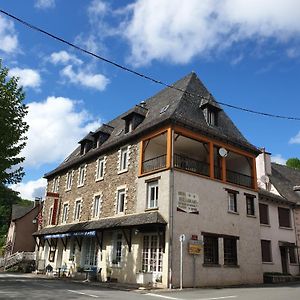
point(293, 162)
point(12, 129)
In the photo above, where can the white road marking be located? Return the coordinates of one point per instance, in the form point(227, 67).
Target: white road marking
point(165, 297)
point(81, 293)
point(218, 298)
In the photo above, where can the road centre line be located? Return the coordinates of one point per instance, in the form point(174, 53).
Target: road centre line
point(161, 296)
point(81, 293)
point(173, 298)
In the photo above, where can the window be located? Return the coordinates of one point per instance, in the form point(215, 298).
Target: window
point(230, 251)
point(117, 249)
point(69, 180)
point(65, 213)
point(81, 176)
point(77, 210)
point(123, 165)
point(152, 194)
point(121, 201)
point(50, 215)
point(232, 204)
point(55, 186)
point(250, 205)
point(128, 125)
point(211, 250)
point(90, 253)
point(266, 253)
point(100, 168)
point(264, 213)
point(211, 117)
point(152, 254)
point(292, 255)
point(284, 217)
point(96, 206)
point(72, 251)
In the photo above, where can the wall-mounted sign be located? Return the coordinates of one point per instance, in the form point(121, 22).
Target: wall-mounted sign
point(195, 247)
point(188, 202)
point(69, 234)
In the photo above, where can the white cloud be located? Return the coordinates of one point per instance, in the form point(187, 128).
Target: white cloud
point(31, 189)
point(180, 30)
point(55, 127)
point(63, 57)
point(295, 139)
point(44, 4)
point(8, 36)
point(84, 78)
point(27, 77)
point(278, 159)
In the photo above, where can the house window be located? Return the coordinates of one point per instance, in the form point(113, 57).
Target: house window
point(117, 249)
point(90, 253)
point(121, 201)
point(250, 205)
point(152, 194)
point(230, 251)
point(232, 203)
point(128, 126)
point(211, 117)
point(81, 176)
point(96, 206)
point(77, 210)
point(211, 250)
point(123, 166)
point(50, 216)
point(55, 186)
point(284, 217)
point(266, 253)
point(72, 251)
point(69, 180)
point(65, 213)
point(292, 255)
point(264, 214)
point(152, 254)
point(100, 169)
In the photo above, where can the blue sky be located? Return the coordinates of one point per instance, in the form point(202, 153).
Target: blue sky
point(247, 53)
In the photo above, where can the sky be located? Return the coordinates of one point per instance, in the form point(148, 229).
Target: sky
point(247, 53)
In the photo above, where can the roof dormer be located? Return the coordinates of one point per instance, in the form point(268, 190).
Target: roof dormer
point(134, 117)
point(86, 143)
point(210, 110)
point(102, 134)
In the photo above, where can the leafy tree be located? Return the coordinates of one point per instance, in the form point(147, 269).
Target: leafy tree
point(12, 128)
point(293, 163)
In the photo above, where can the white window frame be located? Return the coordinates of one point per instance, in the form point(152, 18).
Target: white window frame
point(77, 209)
point(100, 169)
point(96, 209)
point(65, 211)
point(117, 249)
point(81, 175)
point(120, 193)
point(232, 202)
point(55, 186)
point(50, 215)
point(69, 180)
point(123, 162)
point(152, 254)
point(152, 190)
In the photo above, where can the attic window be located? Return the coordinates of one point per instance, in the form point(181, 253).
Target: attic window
point(164, 109)
point(128, 125)
point(211, 116)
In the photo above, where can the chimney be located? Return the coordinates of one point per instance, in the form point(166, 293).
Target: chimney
point(263, 168)
point(296, 189)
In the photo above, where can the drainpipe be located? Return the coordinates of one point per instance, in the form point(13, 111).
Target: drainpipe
point(171, 218)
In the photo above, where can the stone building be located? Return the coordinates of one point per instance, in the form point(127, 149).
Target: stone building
point(174, 164)
point(279, 215)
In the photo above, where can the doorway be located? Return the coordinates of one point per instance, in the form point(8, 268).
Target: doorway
point(284, 257)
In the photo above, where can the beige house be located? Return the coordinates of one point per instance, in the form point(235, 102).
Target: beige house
point(279, 215)
point(170, 166)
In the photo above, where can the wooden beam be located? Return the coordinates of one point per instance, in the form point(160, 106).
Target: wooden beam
point(64, 243)
point(128, 238)
point(211, 160)
point(100, 240)
point(254, 174)
point(141, 157)
point(223, 161)
point(169, 148)
point(79, 242)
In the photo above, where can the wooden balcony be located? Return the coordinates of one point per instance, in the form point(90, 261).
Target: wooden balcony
point(154, 164)
point(191, 165)
point(238, 178)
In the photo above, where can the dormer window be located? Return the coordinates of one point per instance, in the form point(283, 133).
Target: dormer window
point(128, 125)
point(134, 117)
point(211, 117)
point(210, 111)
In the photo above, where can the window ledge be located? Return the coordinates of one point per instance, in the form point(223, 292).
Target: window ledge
point(99, 179)
point(122, 171)
point(67, 190)
point(265, 225)
point(81, 185)
point(287, 228)
point(294, 264)
point(231, 266)
point(152, 208)
point(233, 212)
point(211, 265)
point(251, 216)
point(267, 263)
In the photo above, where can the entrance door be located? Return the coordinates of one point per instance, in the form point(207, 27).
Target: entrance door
point(283, 254)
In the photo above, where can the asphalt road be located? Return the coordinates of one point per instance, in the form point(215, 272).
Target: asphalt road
point(27, 287)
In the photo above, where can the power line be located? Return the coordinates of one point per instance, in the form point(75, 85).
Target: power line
point(124, 68)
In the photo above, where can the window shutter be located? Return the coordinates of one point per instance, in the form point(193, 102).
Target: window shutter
point(54, 213)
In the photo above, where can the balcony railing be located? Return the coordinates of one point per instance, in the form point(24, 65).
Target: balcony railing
point(238, 178)
point(191, 165)
point(155, 163)
point(218, 172)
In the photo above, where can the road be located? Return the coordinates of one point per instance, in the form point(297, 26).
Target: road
point(15, 286)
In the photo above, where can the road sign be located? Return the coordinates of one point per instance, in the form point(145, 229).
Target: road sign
point(182, 238)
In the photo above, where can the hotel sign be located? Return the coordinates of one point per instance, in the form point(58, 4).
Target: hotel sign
point(195, 247)
point(69, 234)
point(187, 202)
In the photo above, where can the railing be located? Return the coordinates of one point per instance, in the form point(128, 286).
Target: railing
point(217, 172)
point(238, 178)
point(191, 165)
point(155, 163)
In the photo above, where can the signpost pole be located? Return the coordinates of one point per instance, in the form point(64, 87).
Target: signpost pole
point(194, 270)
point(181, 239)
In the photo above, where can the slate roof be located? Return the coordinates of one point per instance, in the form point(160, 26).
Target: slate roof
point(266, 195)
point(284, 179)
point(18, 211)
point(182, 109)
point(148, 218)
